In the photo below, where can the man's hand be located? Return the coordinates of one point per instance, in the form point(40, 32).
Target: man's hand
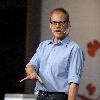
point(31, 74)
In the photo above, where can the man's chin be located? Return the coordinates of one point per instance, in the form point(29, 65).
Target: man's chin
point(58, 36)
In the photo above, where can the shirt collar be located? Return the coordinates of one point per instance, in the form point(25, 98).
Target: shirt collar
point(64, 41)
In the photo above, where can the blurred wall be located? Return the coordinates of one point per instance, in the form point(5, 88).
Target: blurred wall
point(85, 30)
point(85, 23)
point(33, 21)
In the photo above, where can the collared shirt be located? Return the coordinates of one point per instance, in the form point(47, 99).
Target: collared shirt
point(58, 64)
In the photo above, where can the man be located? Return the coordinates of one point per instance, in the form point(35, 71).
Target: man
point(58, 63)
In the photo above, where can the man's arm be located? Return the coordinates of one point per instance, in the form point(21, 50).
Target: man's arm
point(31, 74)
point(73, 91)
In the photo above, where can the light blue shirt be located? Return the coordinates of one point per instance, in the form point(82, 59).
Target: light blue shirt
point(58, 64)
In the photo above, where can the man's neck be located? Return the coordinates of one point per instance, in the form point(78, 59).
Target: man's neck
point(57, 40)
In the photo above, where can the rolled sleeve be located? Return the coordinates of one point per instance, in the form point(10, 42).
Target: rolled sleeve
point(76, 65)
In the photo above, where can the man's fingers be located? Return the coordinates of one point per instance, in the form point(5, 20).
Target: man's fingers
point(22, 80)
point(28, 77)
point(31, 77)
point(39, 79)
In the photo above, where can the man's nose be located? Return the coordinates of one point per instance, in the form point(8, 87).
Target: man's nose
point(58, 25)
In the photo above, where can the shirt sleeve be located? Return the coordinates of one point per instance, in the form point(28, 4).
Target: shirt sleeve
point(35, 60)
point(76, 65)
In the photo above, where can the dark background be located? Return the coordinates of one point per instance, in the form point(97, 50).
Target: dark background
point(12, 45)
point(13, 38)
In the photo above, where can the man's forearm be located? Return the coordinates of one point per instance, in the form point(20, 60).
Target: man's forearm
point(73, 90)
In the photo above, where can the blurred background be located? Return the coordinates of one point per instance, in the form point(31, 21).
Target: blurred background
point(19, 37)
point(25, 23)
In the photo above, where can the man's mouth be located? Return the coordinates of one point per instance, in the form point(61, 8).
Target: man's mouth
point(57, 30)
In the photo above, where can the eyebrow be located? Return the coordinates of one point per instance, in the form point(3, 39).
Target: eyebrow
point(58, 21)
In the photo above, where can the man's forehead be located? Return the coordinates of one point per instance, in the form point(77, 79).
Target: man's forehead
point(58, 15)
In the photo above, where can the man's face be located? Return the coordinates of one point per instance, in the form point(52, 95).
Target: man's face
point(58, 24)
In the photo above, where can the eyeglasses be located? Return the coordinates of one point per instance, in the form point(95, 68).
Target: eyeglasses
point(61, 23)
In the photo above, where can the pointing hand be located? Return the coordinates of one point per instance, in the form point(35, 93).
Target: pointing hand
point(32, 76)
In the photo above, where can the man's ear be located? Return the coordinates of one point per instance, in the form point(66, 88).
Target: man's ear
point(50, 25)
point(69, 24)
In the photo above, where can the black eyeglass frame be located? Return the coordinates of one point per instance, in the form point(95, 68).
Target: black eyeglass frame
point(61, 23)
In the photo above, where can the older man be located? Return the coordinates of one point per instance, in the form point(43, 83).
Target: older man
point(58, 63)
